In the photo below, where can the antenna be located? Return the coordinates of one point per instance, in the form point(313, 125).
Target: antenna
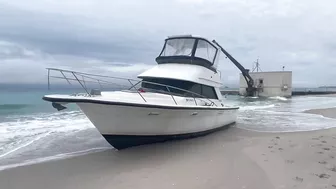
point(256, 66)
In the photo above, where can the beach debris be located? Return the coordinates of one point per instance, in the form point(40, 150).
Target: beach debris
point(323, 141)
point(322, 162)
point(326, 148)
point(277, 137)
point(331, 156)
point(263, 154)
point(320, 152)
point(323, 175)
point(299, 179)
point(270, 146)
point(334, 185)
point(280, 149)
point(290, 161)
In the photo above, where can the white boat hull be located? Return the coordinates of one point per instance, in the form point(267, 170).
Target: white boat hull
point(124, 126)
point(135, 122)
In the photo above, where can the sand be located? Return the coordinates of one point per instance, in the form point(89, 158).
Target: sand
point(231, 158)
point(327, 112)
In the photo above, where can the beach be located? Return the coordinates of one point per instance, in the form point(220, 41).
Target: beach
point(326, 112)
point(231, 158)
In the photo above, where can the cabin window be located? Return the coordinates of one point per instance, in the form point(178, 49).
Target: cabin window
point(205, 50)
point(196, 88)
point(178, 47)
point(204, 90)
point(208, 92)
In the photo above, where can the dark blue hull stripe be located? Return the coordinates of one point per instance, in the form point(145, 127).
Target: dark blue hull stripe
point(125, 141)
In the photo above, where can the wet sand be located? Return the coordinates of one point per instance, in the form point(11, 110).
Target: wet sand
point(327, 112)
point(231, 158)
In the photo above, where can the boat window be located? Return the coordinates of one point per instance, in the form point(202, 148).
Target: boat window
point(205, 50)
point(208, 91)
point(178, 47)
point(196, 88)
point(203, 90)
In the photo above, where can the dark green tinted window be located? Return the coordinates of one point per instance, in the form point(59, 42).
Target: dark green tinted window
point(204, 90)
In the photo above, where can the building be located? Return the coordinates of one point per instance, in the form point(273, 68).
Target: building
point(276, 83)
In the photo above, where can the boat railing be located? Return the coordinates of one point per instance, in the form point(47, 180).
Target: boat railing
point(86, 80)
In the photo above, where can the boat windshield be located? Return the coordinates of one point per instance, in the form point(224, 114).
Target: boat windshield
point(189, 47)
point(178, 47)
point(205, 50)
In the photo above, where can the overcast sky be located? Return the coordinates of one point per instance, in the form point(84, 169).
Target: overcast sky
point(123, 38)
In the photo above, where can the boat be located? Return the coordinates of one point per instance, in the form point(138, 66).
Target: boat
point(176, 99)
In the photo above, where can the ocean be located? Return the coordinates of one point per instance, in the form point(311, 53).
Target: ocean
point(32, 131)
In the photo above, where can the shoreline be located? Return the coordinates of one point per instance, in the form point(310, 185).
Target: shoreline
point(326, 112)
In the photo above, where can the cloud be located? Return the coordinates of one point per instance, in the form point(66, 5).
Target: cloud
point(21, 65)
point(124, 37)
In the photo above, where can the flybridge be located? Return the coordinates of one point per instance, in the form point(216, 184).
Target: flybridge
point(188, 49)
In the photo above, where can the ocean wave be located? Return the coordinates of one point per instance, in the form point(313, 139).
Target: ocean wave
point(22, 135)
point(268, 120)
point(24, 145)
point(56, 157)
point(13, 106)
point(257, 107)
point(278, 98)
point(44, 115)
point(26, 127)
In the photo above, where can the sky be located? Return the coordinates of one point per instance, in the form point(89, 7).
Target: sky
point(123, 38)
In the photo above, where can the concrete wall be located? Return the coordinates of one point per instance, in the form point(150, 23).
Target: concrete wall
point(273, 83)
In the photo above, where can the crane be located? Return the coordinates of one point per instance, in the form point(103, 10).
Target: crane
point(250, 90)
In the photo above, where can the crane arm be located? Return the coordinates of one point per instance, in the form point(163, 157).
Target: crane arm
point(244, 71)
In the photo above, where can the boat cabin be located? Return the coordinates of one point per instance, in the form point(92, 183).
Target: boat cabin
point(188, 49)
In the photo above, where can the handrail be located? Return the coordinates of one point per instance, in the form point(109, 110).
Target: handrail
point(90, 78)
point(70, 71)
